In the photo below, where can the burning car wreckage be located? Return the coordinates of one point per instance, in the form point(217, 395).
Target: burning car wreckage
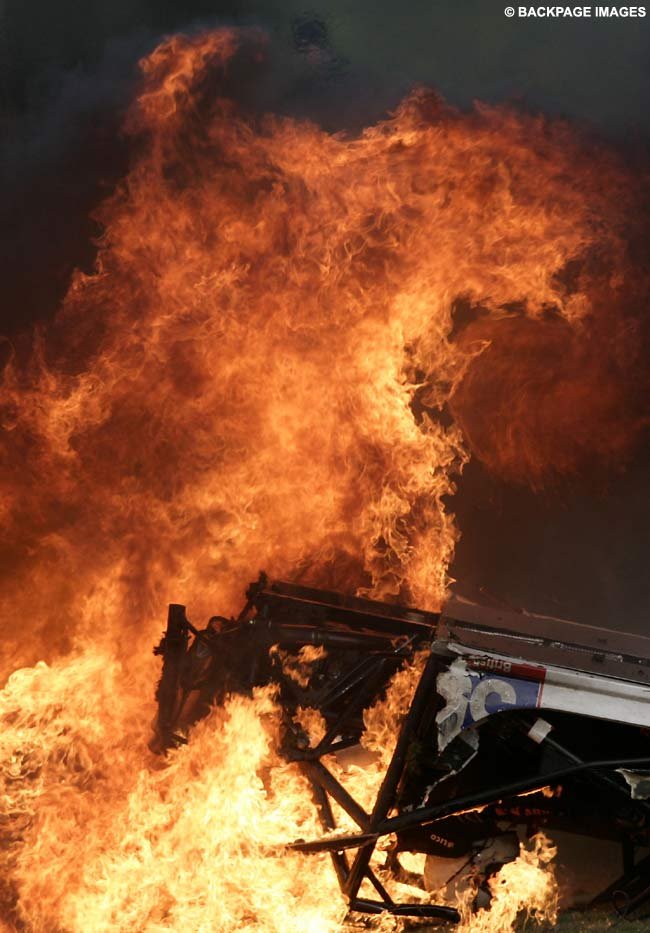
point(517, 723)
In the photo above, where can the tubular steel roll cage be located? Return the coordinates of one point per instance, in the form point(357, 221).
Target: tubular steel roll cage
point(378, 823)
point(357, 688)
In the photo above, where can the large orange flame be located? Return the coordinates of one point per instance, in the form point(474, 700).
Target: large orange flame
point(257, 375)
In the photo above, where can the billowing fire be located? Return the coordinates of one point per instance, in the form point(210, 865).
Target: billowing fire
point(262, 372)
point(523, 886)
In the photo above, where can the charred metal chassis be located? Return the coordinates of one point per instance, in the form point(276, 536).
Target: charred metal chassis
point(291, 617)
point(351, 874)
point(377, 824)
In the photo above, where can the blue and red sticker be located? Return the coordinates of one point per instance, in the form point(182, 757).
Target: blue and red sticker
point(498, 685)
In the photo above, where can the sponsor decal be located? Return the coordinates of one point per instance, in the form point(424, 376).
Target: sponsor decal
point(441, 841)
point(504, 666)
point(496, 689)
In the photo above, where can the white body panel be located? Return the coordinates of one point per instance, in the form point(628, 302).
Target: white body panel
point(490, 682)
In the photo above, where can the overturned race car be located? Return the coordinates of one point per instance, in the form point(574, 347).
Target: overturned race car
point(517, 723)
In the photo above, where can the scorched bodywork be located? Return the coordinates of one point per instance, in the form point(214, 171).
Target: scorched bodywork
point(517, 723)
